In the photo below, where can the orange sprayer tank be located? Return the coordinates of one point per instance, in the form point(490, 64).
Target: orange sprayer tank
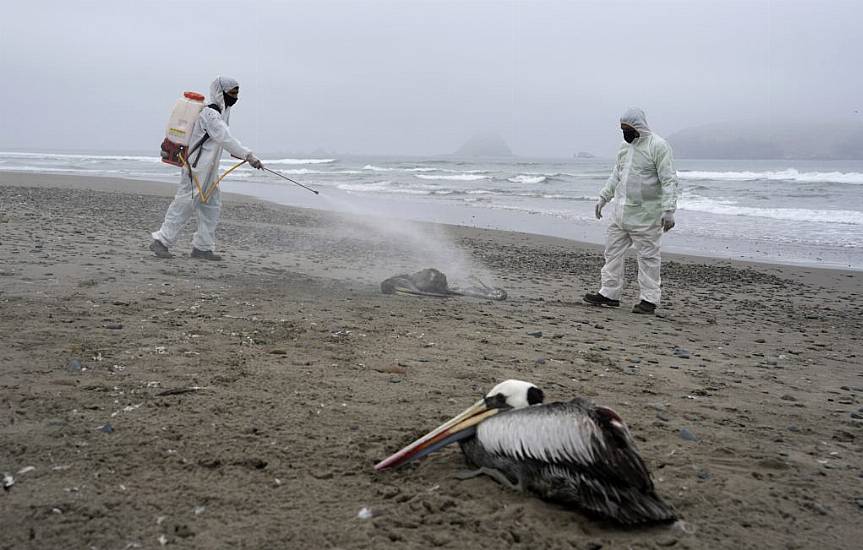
point(178, 132)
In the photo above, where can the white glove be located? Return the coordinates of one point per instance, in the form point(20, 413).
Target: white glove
point(600, 204)
point(254, 161)
point(667, 220)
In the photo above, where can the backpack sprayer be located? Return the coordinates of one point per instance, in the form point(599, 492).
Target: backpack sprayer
point(178, 137)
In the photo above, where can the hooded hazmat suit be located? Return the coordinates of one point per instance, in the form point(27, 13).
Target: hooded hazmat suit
point(186, 201)
point(643, 185)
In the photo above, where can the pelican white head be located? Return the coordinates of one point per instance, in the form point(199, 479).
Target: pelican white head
point(513, 394)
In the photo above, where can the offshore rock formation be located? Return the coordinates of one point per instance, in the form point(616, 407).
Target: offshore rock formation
point(484, 145)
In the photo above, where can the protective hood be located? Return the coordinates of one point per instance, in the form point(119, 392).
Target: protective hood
point(634, 117)
point(218, 87)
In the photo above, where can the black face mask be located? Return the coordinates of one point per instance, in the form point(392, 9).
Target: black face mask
point(630, 135)
point(229, 99)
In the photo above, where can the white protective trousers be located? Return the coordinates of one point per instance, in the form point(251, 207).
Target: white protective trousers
point(646, 242)
point(186, 200)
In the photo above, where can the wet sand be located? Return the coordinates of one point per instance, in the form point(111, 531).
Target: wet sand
point(242, 404)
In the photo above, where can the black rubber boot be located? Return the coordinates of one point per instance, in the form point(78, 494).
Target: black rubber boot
point(160, 250)
point(205, 255)
point(644, 307)
point(600, 300)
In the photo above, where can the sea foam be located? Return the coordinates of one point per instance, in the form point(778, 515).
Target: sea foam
point(454, 177)
point(65, 156)
point(729, 208)
point(299, 161)
point(527, 180)
point(790, 174)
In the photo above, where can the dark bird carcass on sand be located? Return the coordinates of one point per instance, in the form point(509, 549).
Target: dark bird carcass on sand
point(574, 453)
point(431, 282)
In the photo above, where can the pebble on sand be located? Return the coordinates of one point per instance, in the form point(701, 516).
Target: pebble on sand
point(687, 435)
point(680, 352)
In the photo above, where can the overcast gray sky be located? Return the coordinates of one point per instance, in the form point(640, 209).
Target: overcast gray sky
point(417, 77)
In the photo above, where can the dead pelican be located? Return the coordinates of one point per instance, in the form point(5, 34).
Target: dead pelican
point(574, 453)
point(431, 282)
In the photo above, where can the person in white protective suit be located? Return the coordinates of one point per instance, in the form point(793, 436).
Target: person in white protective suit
point(643, 185)
point(210, 136)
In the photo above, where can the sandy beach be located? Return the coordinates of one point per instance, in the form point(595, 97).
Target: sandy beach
point(242, 404)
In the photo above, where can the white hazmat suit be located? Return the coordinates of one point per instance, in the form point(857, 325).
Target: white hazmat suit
point(643, 185)
point(187, 201)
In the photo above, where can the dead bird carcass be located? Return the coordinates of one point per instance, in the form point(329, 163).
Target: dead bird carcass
point(431, 282)
point(573, 452)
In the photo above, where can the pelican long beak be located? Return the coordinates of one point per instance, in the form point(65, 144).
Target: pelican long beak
point(456, 429)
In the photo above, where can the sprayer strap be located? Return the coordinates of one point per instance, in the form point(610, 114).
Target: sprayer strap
point(199, 149)
point(198, 145)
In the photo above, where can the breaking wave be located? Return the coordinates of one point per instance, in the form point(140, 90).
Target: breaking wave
point(366, 187)
point(388, 187)
point(52, 169)
point(300, 161)
point(729, 208)
point(64, 156)
point(780, 175)
point(528, 180)
point(454, 177)
point(299, 171)
point(374, 168)
point(305, 171)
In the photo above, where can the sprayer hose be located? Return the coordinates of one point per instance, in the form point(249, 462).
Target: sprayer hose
point(206, 196)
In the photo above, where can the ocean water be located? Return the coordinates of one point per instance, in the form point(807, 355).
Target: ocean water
point(797, 212)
